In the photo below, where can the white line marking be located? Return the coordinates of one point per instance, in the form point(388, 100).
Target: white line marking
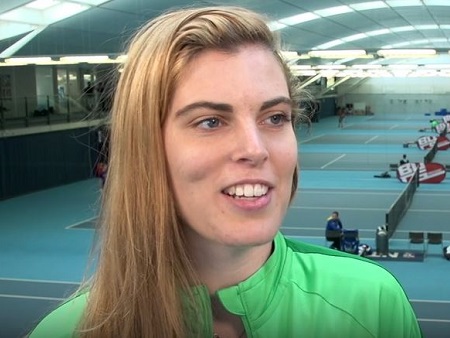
point(331, 162)
point(433, 320)
point(394, 126)
point(31, 297)
point(81, 222)
point(371, 139)
point(38, 281)
point(430, 301)
point(312, 138)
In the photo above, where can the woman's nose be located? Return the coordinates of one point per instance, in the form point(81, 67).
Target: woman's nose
point(250, 145)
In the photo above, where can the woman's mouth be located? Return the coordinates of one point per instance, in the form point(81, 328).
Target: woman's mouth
point(246, 190)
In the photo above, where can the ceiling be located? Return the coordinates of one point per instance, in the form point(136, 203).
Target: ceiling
point(328, 24)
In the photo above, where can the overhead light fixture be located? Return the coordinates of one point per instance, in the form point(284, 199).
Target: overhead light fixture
point(354, 37)
point(438, 66)
point(404, 3)
point(300, 67)
point(337, 54)
point(402, 29)
point(379, 32)
point(300, 18)
point(334, 11)
point(406, 53)
point(436, 2)
point(331, 67)
point(403, 67)
point(28, 60)
point(330, 44)
point(289, 56)
point(369, 66)
point(368, 5)
point(84, 59)
point(42, 4)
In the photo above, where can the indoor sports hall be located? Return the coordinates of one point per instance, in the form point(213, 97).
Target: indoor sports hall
point(378, 75)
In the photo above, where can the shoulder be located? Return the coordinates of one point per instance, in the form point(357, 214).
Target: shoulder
point(334, 264)
point(63, 321)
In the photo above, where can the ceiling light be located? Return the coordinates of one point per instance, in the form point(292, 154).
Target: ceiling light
point(405, 53)
point(289, 56)
point(84, 58)
point(425, 27)
point(331, 67)
point(403, 67)
point(404, 3)
point(300, 67)
point(297, 19)
point(337, 54)
point(354, 37)
point(402, 29)
point(368, 5)
point(330, 44)
point(42, 4)
point(379, 32)
point(436, 2)
point(438, 66)
point(330, 11)
point(275, 25)
point(367, 66)
point(29, 60)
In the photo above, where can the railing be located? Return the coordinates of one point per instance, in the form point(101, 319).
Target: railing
point(29, 111)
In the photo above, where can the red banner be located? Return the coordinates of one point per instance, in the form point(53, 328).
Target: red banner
point(443, 143)
point(426, 142)
point(428, 172)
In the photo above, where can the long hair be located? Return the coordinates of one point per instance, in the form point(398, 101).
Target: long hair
point(141, 286)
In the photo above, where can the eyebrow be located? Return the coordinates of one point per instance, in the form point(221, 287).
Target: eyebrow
point(227, 108)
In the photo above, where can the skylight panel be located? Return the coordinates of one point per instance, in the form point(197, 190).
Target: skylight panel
point(63, 11)
point(300, 18)
point(275, 25)
point(402, 29)
point(368, 5)
point(404, 3)
point(354, 37)
point(23, 15)
point(426, 27)
point(330, 44)
point(379, 32)
point(42, 4)
point(436, 2)
point(330, 11)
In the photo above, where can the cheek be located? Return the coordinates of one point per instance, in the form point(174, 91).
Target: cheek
point(186, 166)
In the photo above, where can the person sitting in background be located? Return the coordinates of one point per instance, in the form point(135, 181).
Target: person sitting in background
point(334, 223)
point(404, 160)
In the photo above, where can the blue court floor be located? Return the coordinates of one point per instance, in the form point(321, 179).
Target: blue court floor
point(44, 251)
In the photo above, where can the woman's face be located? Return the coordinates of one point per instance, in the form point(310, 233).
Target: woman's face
point(230, 147)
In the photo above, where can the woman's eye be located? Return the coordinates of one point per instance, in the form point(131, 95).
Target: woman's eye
point(278, 119)
point(210, 123)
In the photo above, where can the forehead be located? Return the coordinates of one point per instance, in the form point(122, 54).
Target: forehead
point(249, 69)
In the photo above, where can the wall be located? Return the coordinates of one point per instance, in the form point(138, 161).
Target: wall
point(40, 161)
point(399, 95)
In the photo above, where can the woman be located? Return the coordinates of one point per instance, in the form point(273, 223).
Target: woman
point(203, 166)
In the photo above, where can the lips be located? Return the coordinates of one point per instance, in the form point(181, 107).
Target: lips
point(247, 190)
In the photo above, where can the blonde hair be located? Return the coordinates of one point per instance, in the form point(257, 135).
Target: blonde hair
point(141, 286)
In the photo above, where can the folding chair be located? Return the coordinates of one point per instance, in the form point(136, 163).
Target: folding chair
point(417, 237)
point(435, 238)
point(350, 241)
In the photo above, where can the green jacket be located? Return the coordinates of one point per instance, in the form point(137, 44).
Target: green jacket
point(302, 290)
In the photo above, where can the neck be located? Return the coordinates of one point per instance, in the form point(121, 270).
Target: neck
point(223, 266)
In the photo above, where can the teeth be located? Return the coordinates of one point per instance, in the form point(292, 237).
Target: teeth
point(247, 190)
